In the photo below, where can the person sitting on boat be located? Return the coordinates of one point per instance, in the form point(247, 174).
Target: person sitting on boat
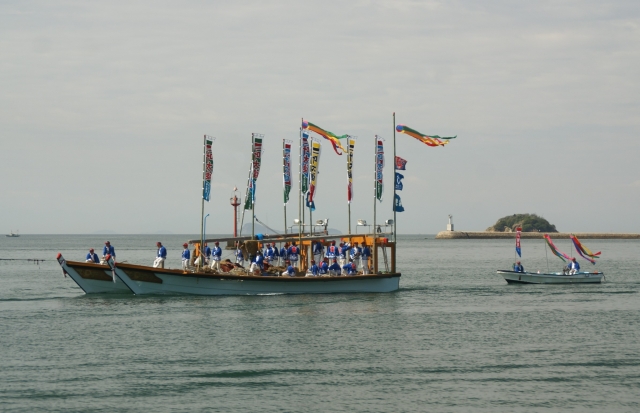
point(216, 256)
point(186, 257)
point(324, 267)
point(314, 270)
point(349, 268)
point(334, 269)
point(574, 266)
point(366, 254)
point(293, 252)
point(284, 254)
point(356, 253)
point(258, 264)
point(290, 271)
point(161, 255)
point(344, 251)
point(92, 257)
point(318, 250)
point(108, 250)
point(517, 267)
point(332, 251)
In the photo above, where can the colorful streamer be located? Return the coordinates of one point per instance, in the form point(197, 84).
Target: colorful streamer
point(330, 136)
point(313, 174)
point(306, 154)
point(256, 160)
point(286, 168)
point(430, 140)
point(584, 251)
point(351, 145)
point(379, 167)
point(518, 250)
point(555, 250)
point(208, 168)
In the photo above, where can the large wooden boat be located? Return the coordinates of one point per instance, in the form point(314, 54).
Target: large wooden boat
point(92, 278)
point(514, 277)
point(143, 280)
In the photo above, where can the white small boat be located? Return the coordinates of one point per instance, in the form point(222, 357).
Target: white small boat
point(514, 277)
point(92, 278)
point(12, 234)
point(144, 280)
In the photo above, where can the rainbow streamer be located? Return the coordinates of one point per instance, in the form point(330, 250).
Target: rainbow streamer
point(555, 250)
point(584, 251)
point(330, 136)
point(430, 140)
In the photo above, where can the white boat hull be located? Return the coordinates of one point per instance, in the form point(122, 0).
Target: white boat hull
point(513, 277)
point(93, 278)
point(147, 280)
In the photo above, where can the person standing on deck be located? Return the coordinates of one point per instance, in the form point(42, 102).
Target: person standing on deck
point(239, 254)
point(258, 264)
point(366, 254)
point(216, 256)
point(318, 250)
point(574, 267)
point(108, 250)
point(356, 253)
point(332, 251)
point(92, 257)
point(207, 254)
point(284, 256)
point(269, 254)
point(186, 257)
point(161, 255)
point(344, 251)
point(292, 253)
point(276, 254)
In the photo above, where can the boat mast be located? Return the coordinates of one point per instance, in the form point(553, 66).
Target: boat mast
point(300, 185)
point(284, 183)
point(375, 196)
point(253, 186)
point(394, 178)
point(348, 200)
point(204, 171)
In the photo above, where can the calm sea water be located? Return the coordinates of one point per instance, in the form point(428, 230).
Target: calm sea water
point(455, 338)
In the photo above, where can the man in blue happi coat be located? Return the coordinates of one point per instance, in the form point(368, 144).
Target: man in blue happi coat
point(574, 266)
point(92, 257)
point(290, 271)
point(207, 253)
point(366, 254)
point(334, 269)
point(216, 256)
point(314, 270)
point(269, 253)
point(324, 267)
point(344, 252)
point(239, 254)
point(356, 253)
point(108, 250)
point(258, 264)
point(293, 252)
point(332, 251)
point(518, 267)
point(186, 257)
point(161, 255)
point(284, 256)
point(318, 250)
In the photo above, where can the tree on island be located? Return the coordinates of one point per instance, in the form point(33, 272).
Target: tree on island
point(528, 223)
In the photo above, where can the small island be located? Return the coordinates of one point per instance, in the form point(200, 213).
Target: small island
point(528, 223)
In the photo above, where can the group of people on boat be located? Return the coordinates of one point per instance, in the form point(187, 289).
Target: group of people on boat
point(573, 267)
point(106, 250)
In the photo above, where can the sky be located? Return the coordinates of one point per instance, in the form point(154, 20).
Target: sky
point(104, 106)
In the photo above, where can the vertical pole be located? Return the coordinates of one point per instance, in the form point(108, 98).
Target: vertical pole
point(283, 186)
point(235, 220)
point(394, 179)
point(375, 196)
point(545, 254)
point(204, 160)
point(245, 196)
point(300, 185)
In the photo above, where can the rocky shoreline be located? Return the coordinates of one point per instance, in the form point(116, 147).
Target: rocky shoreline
point(554, 235)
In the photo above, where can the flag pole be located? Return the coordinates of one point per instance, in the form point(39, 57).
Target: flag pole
point(246, 194)
point(348, 200)
point(394, 179)
point(375, 196)
point(284, 184)
point(300, 185)
point(253, 187)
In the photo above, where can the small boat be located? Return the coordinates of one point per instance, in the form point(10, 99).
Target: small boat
point(567, 276)
point(514, 277)
point(92, 278)
point(12, 234)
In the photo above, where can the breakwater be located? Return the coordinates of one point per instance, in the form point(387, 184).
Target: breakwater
point(554, 235)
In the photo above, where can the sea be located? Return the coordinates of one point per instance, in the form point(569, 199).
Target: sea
point(455, 337)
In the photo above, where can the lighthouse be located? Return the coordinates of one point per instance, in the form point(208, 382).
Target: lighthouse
point(235, 201)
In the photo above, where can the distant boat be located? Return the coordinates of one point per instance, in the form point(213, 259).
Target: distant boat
point(13, 234)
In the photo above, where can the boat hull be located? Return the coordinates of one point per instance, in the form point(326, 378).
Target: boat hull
point(93, 278)
point(513, 277)
point(147, 280)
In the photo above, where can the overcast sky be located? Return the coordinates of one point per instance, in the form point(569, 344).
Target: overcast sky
point(104, 105)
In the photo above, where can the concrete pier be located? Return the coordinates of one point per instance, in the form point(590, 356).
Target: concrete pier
point(553, 235)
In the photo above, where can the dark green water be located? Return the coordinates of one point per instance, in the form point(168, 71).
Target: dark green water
point(455, 338)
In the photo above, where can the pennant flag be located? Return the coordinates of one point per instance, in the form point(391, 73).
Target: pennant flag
point(207, 170)
point(331, 137)
point(430, 140)
point(397, 204)
point(286, 168)
point(313, 174)
point(351, 145)
point(256, 160)
point(401, 164)
point(306, 154)
point(555, 250)
point(379, 167)
point(518, 230)
point(399, 178)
